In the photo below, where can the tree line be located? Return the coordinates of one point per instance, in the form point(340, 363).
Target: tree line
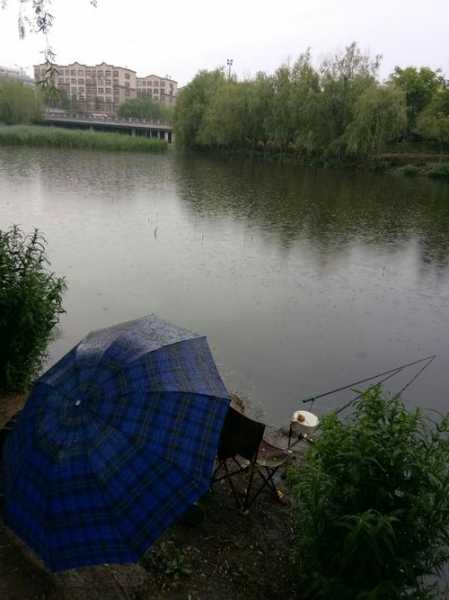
point(339, 109)
point(23, 104)
point(19, 103)
point(145, 108)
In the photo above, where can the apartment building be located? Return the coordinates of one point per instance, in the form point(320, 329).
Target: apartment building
point(102, 88)
point(162, 89)
point(93, 88)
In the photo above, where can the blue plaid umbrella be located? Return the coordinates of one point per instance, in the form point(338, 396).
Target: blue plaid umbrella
point(115, 442)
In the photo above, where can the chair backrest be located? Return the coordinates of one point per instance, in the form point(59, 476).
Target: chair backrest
point(240, 435)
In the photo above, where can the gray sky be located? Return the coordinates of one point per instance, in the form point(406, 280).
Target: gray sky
point(179, 37)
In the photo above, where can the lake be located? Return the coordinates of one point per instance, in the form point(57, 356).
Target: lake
point(302, 279)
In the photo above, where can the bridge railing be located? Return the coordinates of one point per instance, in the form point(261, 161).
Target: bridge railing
point(96, 117)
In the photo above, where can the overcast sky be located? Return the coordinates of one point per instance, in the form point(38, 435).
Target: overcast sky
point(179, 37)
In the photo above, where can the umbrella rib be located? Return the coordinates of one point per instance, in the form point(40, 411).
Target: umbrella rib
point(100, 362)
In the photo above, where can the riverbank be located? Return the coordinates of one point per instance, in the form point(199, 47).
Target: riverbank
point(424, 164)
point(414, 164)
point(228, 555)
point(52, 137)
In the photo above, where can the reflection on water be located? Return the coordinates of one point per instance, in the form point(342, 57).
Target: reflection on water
point(302, 279)
point(331, 209)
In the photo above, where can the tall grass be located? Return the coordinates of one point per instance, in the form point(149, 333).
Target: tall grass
point(30, 305)
point(33, 135)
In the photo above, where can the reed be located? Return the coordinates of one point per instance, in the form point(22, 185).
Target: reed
point(34, 135)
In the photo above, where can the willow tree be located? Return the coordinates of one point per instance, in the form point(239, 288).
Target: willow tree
point(344, 78)
point(259, 98)
point(224, 122)
point(419, 86)
point(305, 98)
point(380, 117)
point(192, 104)
point(433, 122)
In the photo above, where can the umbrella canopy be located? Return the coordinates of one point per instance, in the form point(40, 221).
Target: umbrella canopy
point(115, 442)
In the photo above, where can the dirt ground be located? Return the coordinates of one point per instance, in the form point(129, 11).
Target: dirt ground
point(229, 555)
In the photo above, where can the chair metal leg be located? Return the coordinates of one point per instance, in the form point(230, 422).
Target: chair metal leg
point(300, 437)
point(231, 485)
point(247, 503)
point(270, 479)
point(267, 481)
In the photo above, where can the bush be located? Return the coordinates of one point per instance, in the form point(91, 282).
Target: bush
point(30, 305)
point(372, 504)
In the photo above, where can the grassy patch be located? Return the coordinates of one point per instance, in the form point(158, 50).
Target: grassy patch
point(33, 135)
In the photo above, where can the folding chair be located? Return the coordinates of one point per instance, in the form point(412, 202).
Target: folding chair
point(239, 442)
point(243, 448)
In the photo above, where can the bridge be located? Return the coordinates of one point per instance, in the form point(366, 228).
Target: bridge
point(96, 122)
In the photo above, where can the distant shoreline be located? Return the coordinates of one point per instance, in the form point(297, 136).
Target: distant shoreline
point(409, 164)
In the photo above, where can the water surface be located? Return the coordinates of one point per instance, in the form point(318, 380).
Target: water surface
point(302, 280)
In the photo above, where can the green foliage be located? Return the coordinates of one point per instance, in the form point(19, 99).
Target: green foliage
point(224, 119)
point(372, 504)
point(433, 122)
point(145, 108)
point(52, 97)
point(336, 111)
point(379, 118)
point(258, 99)
point(305, 105)
point(19, 103)
point(191, 105)
point(299, 108)
point(419, 86)
point(75, 138)
point(344, 78)
point(30, 305)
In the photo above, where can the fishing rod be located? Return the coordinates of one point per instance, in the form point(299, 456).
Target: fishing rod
point(360, 394)
point(415, 377)
point(389, 373)
point(386, 376)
